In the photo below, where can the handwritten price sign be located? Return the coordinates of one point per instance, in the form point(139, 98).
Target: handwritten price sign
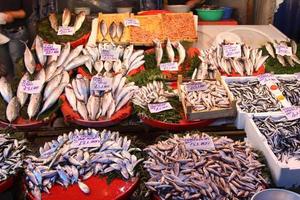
point(51, 49)
point(88, 141)
point(131, 22)
point(199, 144)
point(109, 55)
point(292, 112)
point(232, 51)
point(283, 50)
point(65, 30)
point(266, 78)
point(159, 107)
point(31, 87)
point(99, 83)
point(195, 86)
point(171, 66)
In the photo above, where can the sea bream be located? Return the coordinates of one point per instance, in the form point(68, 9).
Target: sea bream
point(103, 30)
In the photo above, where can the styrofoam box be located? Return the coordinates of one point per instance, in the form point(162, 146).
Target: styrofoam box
point(241, 115)
point(284, 175)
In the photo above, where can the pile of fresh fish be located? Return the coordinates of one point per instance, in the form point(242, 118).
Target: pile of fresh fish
point(128, 59)
point(66, 19)
point(213, 96)
point(93, 105)
point(230, 171)
point(291, 90)
point(284, 60)
point(170, 51)
point(62, 162)
point(114, 30)
point(154, 92)
point(213, 60)
point(252, 97)
point(11, 151)
point(282, 135)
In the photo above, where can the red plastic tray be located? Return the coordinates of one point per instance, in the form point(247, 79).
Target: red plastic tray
point(181, 126)
point(73, 117)
point(8, 183)
point(153, 12)
point(118, 189)
point(81, 41)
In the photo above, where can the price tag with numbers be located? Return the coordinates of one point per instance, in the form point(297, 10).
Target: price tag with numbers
point(205, 143)
point(159, 107)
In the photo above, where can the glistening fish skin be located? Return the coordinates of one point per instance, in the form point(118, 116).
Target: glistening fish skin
point(13, 109)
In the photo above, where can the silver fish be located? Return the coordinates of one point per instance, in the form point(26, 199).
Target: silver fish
point(117, 66)
point(73, 54)
point(79, 21)
point(181, 52)
point(5, 89)
point(98, 65)
point(29, 60)
point(158, 52)
point(70, 95)
point(34, 105)
point(83, 187)
point(93, 37)
point(113, 31)
point(81, 108)
point(281, 60)
point(270, 50)
point(170, 51)
point(76, 62)
point(103, 30)
point(64, 54)
point(108, 65)
point(52, 85)
point(22, 96)
point(13, 109)
point(294, 47)
point(135, 55)
point(50, 70)
point(120, 30)
point(66, 17)
point(39, 50)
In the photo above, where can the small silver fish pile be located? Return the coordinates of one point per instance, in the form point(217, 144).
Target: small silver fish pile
point(252, 97)
point(231, 171)
point(11, 151)
point(213, 60)
point(291, 90)
point(92, 105)
point(154, 92)
point(170, 51)
point(66, 19)
point(62, 162)
point(213, 97)
point(114, 30)
point(128, 58)
point(283, 136)
point(284, 60)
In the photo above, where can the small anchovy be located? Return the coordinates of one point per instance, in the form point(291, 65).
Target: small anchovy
point(229, 170)
point(291, 90)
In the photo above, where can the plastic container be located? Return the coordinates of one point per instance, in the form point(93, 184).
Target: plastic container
point(210, 15)
point(276, 194)
point(178, 8)
point(284, 175)
point(227, 12)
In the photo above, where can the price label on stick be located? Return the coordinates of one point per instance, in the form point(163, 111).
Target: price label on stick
point(31, 87)
point(87, 141)
point(131, 22)
point(292, 112)
point(232, 51)
point(99, 83)
point(266, 78)
point(51, 49)
point(283, 50)
point(195, 86)
point(171, 66)
point(109, 55)
point(65, 30)
point(205, 143)
point(159, 107)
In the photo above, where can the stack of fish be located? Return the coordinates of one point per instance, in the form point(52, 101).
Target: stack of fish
point(154, 92)
point(62, 162)
point(93, 105)
point(115, 31)
point(229, 171)
point(128, 59)
point(213, 60)
point(284, 60)
point(11, 151)
point(170, 51)
point(282, 135)
point(252, 97)
point(291, 90)
point(212, 97)
point(66, 19)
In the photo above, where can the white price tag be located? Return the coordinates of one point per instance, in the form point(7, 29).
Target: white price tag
point(200, 144)
point(51, 49)
point(232, 51)
point(99, 83)
point(292, 112)
point(131, 22)
point(195, 86)
point(109, 55)
point(31, 87)
point(171, 66)
point(87, 141)
point(266, 78)
point(159, 107)
point(65, 30)
point(283, 50)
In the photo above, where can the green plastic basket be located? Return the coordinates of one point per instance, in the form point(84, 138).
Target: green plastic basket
point(210, 15)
